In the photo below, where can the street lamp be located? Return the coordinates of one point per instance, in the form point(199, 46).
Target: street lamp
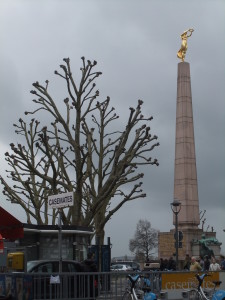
point(176, 207)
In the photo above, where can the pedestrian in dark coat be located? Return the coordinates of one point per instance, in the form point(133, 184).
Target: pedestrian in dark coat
point(187, 262)
point(91, 281)
point(206, 263)
point(171, 264)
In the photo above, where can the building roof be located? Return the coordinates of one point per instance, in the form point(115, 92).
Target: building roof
point(12, 229)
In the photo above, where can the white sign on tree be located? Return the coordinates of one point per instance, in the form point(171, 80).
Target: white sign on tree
point(60, 200)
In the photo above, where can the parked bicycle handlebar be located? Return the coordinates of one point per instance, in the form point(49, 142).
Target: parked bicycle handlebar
point(200, 278)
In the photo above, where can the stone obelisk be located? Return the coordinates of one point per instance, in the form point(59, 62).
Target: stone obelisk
point(185, 176)
point(185, 173)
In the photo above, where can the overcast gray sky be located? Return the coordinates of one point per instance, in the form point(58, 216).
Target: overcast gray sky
point(135, 45)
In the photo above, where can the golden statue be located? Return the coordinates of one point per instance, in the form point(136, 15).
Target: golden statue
point(184, 36)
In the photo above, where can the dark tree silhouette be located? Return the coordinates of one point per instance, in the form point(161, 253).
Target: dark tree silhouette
point(145, 239)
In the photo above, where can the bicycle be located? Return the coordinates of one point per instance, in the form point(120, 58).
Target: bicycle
point(135, 291)
point(199, 294)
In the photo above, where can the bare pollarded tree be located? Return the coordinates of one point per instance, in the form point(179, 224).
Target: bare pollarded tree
point(78, 151)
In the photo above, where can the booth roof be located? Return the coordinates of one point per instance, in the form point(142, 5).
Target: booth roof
point(12, 229)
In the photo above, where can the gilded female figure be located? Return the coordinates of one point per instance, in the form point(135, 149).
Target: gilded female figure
point(184, 36)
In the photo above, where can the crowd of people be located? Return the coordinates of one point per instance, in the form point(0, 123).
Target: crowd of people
point(203, 263)
point(194, 264)
point(167, 264)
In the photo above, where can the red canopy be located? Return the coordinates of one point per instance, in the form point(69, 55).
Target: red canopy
point(10, 227)
point(1, 244)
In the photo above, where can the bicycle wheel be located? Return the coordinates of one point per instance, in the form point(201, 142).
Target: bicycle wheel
point(127, 296)
point(195, 295)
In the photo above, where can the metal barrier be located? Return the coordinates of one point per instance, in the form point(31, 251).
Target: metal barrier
point(79, 286)
point(99, 286)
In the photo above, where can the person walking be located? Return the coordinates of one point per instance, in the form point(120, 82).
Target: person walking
point(171, 264)
point(195, 266)
point(222, 262)
point(89, 263)
point(206, 263)
point(214, 266)
point(201, 262)
point(187, 262)
point(91, 281)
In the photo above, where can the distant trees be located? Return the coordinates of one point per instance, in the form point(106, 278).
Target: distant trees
point(78, 148)
point(144, 241)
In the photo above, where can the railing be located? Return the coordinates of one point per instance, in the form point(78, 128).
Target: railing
point(107, 285)
point(99, 286)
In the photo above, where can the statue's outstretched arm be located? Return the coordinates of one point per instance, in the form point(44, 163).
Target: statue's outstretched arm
point(184, 36)
point(190, 32)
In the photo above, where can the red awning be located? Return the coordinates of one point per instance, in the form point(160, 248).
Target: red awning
point(10, 227)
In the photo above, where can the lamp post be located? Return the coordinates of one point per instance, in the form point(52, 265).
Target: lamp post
point(176, 207)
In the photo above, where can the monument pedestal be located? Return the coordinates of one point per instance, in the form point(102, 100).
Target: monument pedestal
point(191, 244)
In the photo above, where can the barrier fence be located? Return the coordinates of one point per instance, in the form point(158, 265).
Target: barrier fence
point(104, 285)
